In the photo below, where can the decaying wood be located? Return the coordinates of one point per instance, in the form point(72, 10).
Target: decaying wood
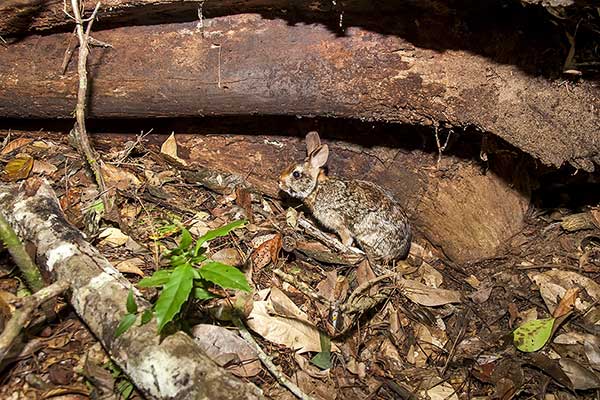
point(247, 65)
point(172, 368)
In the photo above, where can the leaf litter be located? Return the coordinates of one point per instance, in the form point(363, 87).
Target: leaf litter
point(432, 330)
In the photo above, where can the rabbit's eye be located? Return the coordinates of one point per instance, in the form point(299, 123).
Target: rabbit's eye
point(296, 174)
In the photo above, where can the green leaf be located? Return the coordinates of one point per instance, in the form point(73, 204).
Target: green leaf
point(201, 293)
point(125, 324)
point(226, 276)
point(177, 260)
point(175, 292)
point(533, 335)
point(146, 316)
point(125, 388)
point(131, 304)
point(158, 278)
point(323, 358)
point(215, 233)
point(186, 239)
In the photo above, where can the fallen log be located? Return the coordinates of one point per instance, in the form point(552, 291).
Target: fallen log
point(246, 65)
point(174, 368)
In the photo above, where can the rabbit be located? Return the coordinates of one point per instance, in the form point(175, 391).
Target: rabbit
point(354, 209)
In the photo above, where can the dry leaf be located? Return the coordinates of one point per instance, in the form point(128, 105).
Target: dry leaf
point(554, 284)
point(426, 296)
point(244, 200)
point(113, 237)
point(443, 391)
point(296, 333)
point(14, 145)
point(473, 281)
point(229, 256)
point(567, 303)
point(169, 148)
point(283, 306)
point(291, 217)
point(43, 168)
point(327, 286)
point(581, 377)
point(267, 252)
point(19, 167)
point(430, 276)
point(131, 266)
point(119, 177)
point(419, 354)
point(217, 341)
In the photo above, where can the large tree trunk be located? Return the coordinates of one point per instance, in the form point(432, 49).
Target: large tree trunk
point(244, 64)
point(173, 368)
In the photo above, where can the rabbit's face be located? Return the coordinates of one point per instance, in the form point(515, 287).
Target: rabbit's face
point(299, 180)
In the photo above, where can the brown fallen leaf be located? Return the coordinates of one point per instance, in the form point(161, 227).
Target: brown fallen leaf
point(113, 237)
point(228, 255)
point(217, 341)
point(296, 332)
point(554, 284)
point(169, 148)
point(583, 378)
point(267, 252)
point(14, 145)
point(119, 178)
point(244, 200)
point(131, 266)
point(567, 303)
point(19, 167)
point(43, 168)
point(427, 296)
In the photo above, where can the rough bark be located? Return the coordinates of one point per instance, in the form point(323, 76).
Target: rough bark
point(174, 368)
point(245, 65)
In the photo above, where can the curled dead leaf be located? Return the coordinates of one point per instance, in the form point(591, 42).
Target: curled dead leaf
point(14, 145)
point(169, 148)
point(131, 266)
point(43, 168)
point(113, 237)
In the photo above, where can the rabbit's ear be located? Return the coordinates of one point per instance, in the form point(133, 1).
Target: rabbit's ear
point(312, 142)
point(318, 157)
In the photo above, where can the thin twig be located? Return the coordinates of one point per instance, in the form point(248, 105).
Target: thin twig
point(439, 145)
point(268, 363)
point(30, 271)
point(68, 52)
point(79, 132)
point(22, 315)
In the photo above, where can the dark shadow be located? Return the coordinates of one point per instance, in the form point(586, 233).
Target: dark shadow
point(549, 187)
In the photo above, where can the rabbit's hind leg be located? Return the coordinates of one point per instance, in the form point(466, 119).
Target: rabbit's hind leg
point(346, 236)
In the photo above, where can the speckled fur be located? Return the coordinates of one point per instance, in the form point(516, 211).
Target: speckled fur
point(354, 209)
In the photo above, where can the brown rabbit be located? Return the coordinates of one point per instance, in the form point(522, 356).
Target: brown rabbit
point(354, 209)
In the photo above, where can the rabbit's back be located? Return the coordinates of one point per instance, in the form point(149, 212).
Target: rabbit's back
point(373, 217)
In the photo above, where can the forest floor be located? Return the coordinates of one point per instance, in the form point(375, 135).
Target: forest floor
point(432, 328)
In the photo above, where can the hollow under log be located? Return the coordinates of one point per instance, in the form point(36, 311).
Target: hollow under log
point(247, 65)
